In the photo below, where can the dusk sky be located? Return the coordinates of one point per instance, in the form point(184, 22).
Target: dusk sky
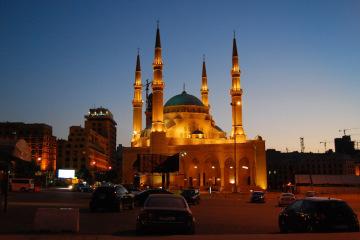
point(300, 62)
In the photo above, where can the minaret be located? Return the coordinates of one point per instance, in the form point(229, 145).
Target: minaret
point(137, 102)
point(236, 93)
point(204, 86)
point(157, 137)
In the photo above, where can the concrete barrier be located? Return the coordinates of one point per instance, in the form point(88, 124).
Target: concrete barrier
point(57, 220)
point(326, 190)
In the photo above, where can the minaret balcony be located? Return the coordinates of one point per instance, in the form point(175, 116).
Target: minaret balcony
point(158, 85)
point(236, 92)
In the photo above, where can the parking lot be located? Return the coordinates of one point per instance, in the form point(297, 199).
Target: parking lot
point(216, 214)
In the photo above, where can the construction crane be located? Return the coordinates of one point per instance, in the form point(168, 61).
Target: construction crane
point(302, 144)
point(346, 129)
point(325, 143)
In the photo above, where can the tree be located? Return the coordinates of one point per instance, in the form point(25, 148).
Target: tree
point(26, 169)
point(84, 173)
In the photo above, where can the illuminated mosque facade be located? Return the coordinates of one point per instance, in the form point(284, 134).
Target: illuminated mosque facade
point(184, 128)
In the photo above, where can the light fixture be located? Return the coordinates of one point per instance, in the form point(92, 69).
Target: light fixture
point(212, 167)
point(195, 166)
point(231, 167)
point(245, 167)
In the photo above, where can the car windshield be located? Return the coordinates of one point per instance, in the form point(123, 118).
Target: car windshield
point(165, 202)
point(189, 192)
point(329, 207)
point(287, 195)
point(258, 193)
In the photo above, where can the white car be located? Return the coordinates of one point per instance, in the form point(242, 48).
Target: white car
point(286, 199)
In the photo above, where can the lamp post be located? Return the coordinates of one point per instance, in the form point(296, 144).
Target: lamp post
point(234, 136)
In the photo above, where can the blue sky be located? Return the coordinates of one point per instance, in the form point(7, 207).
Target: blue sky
point(300, 62)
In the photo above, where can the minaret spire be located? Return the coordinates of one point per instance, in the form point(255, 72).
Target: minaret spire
point(138, 67)
point(137, 102)
point(236, 96)
point(157, 41)
point(204, 86)
point(158, 136)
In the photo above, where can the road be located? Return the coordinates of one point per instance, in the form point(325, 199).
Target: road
point(219, 214)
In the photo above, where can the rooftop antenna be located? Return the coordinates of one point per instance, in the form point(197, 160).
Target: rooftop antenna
point(325, 143)
point(302, 145)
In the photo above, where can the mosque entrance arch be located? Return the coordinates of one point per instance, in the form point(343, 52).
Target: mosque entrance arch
point(229, 174)
point(244, 178)
point(193, 173)
point(212, 173)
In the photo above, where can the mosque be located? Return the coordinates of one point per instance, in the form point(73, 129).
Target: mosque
point(181, 145)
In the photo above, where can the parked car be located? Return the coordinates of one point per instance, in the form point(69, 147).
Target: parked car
point(82, 187)
point(286, 199)
point(165, 212)
point(132, 188)
point(192, 196)
point(141, 197)
point(318, 214)
point(114, 198)
point(257, 197)
point(310, 194)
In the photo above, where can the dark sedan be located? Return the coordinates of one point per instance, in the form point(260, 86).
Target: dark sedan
point(257, 197)
point(113, 198)
point(192, 196)
point(141, 197)
point(165, 212)
point(318, 214)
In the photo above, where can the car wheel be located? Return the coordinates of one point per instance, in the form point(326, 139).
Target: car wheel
point(121, 206)
point(139, 229)
point(309, 227)
point(282, 226)
point(92, 208)
point(354, 228)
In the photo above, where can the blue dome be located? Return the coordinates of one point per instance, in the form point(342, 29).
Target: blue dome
point(183, 99)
